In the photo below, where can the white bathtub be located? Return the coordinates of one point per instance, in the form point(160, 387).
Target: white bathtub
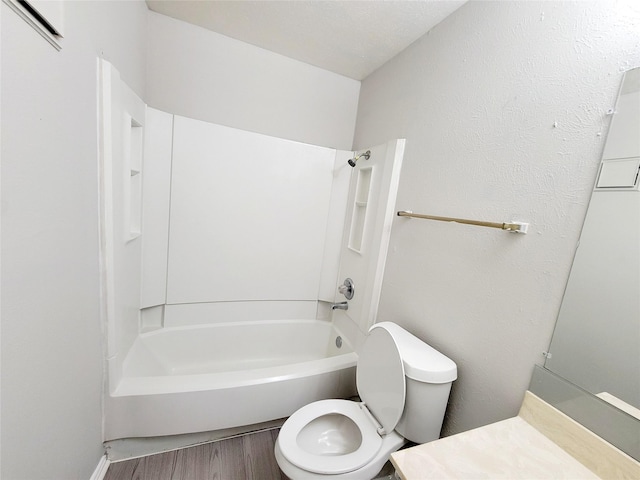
point(211, 377)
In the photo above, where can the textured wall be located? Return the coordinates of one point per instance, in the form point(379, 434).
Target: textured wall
point(503, 106)
point(203, 75)
point(51, 333)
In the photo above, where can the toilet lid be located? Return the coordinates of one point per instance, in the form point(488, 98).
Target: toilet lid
point(380, 378)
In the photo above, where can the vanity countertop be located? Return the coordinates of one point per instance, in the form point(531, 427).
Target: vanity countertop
point(540, 443)
point(511, 449)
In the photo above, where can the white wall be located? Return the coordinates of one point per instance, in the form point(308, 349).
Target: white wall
point(503, 106)
point(52, 357)
point(203, 75)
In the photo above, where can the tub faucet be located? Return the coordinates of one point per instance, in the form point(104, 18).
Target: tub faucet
point(340, 306)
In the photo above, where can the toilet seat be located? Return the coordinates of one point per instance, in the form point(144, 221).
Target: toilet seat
point(330, 463)
point(380, 380)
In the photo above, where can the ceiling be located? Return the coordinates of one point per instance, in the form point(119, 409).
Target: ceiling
point(352, 38)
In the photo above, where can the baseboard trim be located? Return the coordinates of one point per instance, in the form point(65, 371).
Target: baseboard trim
point(101, 470)
point(128, 448)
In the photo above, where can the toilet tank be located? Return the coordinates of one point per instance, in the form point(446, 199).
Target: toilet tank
point(428, 376)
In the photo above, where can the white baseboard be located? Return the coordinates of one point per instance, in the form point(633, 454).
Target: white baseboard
point(101, 469)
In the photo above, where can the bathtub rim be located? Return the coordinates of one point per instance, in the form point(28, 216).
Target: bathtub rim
point(234, 323)
point(166, 384)
point(169, 384)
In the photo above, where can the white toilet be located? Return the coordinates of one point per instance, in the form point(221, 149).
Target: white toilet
point(404, 385)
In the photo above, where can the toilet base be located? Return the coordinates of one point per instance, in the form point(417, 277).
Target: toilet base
point(390, 443)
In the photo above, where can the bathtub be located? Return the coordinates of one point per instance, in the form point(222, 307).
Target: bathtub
point(211, 377)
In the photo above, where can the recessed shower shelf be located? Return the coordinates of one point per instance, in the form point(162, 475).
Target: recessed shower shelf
point(513, 227)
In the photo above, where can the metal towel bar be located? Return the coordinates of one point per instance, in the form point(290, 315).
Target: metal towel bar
point(514, 227)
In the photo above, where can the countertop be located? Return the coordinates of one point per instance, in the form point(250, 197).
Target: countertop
point(511, 449)
point(540, 443)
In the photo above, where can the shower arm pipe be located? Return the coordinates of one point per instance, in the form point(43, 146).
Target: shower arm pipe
point(513, 227)
point(366, 156)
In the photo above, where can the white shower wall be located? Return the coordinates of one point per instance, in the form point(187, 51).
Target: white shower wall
point(248, 215)
point(122, 123)
point(155, 207)
point(244, 234)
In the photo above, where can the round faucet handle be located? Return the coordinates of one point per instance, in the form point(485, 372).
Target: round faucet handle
point(347, 289)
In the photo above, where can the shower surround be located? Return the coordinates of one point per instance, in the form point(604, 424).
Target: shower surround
point(221, 250)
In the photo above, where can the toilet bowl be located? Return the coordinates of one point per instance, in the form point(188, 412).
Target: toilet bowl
point(333, 438)
point(343, 439)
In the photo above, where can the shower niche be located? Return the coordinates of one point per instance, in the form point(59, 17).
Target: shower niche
point(360, 209)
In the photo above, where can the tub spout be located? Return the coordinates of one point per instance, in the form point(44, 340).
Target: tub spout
point(340, 306)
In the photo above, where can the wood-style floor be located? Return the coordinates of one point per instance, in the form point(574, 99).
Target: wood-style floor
point(247, 457)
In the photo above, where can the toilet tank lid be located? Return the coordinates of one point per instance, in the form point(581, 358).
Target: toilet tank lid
point(421, 361)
